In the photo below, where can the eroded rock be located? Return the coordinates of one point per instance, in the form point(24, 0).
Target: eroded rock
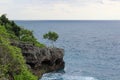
point(49, 59)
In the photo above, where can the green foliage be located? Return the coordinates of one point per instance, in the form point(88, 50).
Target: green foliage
point(26, 75)
point(17, 33)
point(11, 27)
point(3, 19)
point(27, 36)
point(3, 31)
point(16, 29)
point(12, 63)
point(37, 44)
point(0, 22)
point(52, 36)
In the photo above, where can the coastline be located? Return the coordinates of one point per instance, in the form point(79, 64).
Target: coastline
point(22, 57)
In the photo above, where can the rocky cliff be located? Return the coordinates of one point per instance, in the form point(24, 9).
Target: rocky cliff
point(12, 63)
point(47, 59)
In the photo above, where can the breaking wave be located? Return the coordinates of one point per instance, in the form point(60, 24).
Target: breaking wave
point(59, 76)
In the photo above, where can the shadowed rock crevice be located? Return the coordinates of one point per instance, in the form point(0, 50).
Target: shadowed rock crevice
point(58, 61)
point(46, 62)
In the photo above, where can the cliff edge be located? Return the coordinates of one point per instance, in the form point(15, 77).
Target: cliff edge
point(47, 59)
point(22, 57)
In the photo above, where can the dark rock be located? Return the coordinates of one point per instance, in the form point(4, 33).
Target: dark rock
point(49, 59)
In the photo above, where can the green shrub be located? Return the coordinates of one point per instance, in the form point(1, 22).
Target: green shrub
point(27, 36)
point(17, 33)
point(12, 63)
point(52, 36)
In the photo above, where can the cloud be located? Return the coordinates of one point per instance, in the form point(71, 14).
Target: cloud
point(61, 9)
point(5, 1)
point(114, 0)
point(70, 2)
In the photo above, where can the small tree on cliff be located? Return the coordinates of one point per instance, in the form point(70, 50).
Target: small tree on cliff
point(52, 36)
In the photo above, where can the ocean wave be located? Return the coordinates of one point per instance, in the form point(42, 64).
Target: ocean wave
point(59, 76)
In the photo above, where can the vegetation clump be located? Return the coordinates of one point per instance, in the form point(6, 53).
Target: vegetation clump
point(12, 63)
point(17, 33)
point(52, 36)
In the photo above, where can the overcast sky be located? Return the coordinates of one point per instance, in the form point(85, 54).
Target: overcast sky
point(61, 9)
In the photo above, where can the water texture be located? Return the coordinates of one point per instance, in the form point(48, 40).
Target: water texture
point(92, 48)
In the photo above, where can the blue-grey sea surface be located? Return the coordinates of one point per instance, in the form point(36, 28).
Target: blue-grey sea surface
point(92, 48)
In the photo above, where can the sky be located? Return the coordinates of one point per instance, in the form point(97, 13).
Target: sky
point(61, 9)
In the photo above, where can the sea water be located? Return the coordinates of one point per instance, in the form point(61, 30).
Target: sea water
point(92, 48)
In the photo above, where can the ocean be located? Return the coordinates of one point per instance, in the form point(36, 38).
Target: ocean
point(92, 48)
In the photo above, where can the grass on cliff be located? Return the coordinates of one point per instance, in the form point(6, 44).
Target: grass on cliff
point(12, 63)
point(16, 33)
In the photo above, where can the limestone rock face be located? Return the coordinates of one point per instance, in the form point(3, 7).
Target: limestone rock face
point(49, 59)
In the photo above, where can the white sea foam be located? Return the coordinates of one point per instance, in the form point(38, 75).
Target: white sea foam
point(68, 77)
point(58, 76)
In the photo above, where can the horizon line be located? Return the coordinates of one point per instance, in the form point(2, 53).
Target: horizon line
point(60, 20)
